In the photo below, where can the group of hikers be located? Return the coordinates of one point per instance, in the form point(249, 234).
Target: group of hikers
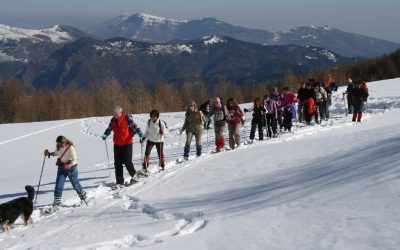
point(270, 112)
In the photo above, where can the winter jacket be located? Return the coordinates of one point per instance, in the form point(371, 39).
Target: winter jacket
point(289, 99)
point(271, 107)
point(278, 98)
point(124, 129)
point(349, 92)
point(360, 95)
point(153, 130)
point(258, 114)
point(309, 93)
point(193, 122)
point(235, 114)
point(206, 108)
point(320, 94)
point(220, 115)
point(68, 158)
point(301, 94)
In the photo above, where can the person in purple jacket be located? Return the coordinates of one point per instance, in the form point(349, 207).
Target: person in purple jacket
point(278, 98)
point(271, 116)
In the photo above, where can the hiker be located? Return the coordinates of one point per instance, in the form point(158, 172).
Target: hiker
point(309, 102)
point(360, 95)
point(193, 126)
point(271, 116)
point(278, 98)
point(124, 129)
point(258, 120)
point(67, 163)
point(289, 108)
point(235, 118)
point(205, 108)
point(349, 92)
point(155, 131)
point(301, 99)
point(220, 115)
point(320, 99)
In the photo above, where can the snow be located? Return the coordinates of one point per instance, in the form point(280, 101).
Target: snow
point(213, 40)
point(277, 37)
point(54, 34)
point(170, 49)
point(151, 19)
point(7, 58)
point(322, 187)
point(331, 56)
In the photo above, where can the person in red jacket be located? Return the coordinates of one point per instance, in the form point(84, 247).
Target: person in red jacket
point(124, 129)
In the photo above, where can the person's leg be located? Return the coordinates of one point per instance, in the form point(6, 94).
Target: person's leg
point(237, 134)
point(189, 136)
point(260, 131)
point(127, 159)
point(60, 181)
point(160, 153)
point(269, 121)
point(231, 128)
point(118, 159)
point(146, 160)
point(253, 130)
point(300, 112)
point(198, 142)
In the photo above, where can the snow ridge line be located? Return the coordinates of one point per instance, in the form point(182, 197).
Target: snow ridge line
point(40, 131)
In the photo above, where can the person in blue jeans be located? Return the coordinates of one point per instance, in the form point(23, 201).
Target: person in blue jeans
point(67, 163)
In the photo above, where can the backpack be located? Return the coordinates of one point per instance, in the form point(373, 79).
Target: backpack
point(159, 124)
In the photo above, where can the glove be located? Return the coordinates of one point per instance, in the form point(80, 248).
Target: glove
point(47, 153)
point(141, 135)
point(142, 139)
point(161, 131)
point(246, 110)
point(104, 137)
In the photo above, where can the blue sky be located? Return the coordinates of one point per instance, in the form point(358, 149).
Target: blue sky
point(373, 18)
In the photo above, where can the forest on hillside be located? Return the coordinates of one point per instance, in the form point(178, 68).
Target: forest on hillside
point(18, 103)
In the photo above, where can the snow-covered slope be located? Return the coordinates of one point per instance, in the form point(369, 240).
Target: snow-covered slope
point(323, 187)
point(54, 34)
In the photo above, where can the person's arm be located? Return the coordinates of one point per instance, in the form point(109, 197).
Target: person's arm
point(108, 130)
point(134, 127)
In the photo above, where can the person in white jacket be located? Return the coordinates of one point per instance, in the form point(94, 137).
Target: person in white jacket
point(154, 134)
point(67, 163)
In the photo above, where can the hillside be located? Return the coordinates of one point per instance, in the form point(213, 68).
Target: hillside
point(324, 187)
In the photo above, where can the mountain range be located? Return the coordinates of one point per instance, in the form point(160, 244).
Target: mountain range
point(144, 27)
point(151, 49)
point(210, 58)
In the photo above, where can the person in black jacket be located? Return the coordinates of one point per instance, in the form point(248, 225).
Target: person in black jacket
point(349, 93)
point(309, 107)
point(258, 119)
point(360, 95)
point(205, 108)
point(300, 96)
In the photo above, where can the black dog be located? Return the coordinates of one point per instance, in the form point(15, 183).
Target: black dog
point(11, 210)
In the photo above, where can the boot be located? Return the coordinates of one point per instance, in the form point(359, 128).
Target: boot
point(198, 150)
point(82, 196)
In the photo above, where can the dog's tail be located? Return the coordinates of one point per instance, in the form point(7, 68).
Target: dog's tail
point(31, 192)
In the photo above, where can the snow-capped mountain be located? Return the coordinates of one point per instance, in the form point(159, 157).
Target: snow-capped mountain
point(21, 46)
point(29, 44)
point(143, 27)
point(210, 57)
point(138, 26)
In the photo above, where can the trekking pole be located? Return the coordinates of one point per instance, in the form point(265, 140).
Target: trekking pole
point(40, 179)
point(208, 147)
point(108, 159)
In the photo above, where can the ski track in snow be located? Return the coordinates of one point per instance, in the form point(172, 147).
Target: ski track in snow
point(102, 200)
point(37, 132)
